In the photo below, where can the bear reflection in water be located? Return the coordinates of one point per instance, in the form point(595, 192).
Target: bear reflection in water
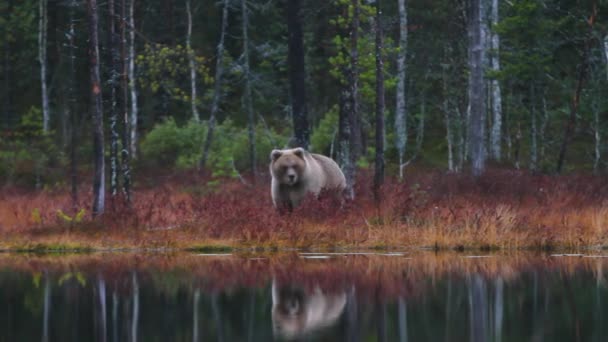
point(297, 312)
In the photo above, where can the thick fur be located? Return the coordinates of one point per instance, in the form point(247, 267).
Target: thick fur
point(296, 172)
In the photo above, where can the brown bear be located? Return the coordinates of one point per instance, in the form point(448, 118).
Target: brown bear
point(296, 172)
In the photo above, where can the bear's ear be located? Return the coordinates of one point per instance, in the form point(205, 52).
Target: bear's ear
point(299, 152)
point(275, 154)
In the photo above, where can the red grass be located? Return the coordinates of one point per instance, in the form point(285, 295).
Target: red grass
point(502, 209)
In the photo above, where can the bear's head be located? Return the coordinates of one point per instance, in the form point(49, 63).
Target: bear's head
point(288, 166)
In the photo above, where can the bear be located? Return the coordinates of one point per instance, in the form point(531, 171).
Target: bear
point(297, 172)
point(299, 313)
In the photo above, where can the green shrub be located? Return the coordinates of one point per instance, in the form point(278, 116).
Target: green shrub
point(169, 145)
point(326, 133)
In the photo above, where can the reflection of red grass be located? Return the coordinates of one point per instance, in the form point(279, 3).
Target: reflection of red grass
point(373, 276)
point(431, 208)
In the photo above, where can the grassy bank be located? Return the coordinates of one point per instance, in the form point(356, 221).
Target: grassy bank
point(504, 209)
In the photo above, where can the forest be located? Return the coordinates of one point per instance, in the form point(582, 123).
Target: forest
point(457, 122)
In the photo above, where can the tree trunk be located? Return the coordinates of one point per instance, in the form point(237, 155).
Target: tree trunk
point(543, 129)
point(42, 48)
point(132, 81)
point(247, 101)
point(496, 134)
point(582, 73)
point(402, 319)
point(297, 74)
point(124, 105)
point(477, 87)
point(195, 115)
point(533, 132)
point(348, 122)
point(478, 315)
point(401, 108)
point(447, 119)
point(96, 112)
point(114, 63)
point(219, 70)
point(606, 53)
point(596, 133)
point(73, 115)
point(498, 309)
point(115, 304)
point(379, 163)
point(353, 81)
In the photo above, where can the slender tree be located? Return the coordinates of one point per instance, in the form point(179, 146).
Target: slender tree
point(192, 64)
point(477, 86)
point(401, 108)
point(217, 91)
point(583, 67)
point(297, 74)
point(71, 107)
point(496, 132)
point(132, 82)
point(113, 82)
point(42, 58)
point(124, 104)
point(96, 111)
point(247, 102)
point(379, 162)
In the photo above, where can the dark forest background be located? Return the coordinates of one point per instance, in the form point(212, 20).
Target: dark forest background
point(216, 85)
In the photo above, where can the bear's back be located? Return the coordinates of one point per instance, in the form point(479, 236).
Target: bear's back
point(334, 176)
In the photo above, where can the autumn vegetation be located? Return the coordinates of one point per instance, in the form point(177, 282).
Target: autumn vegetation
point(503, 209)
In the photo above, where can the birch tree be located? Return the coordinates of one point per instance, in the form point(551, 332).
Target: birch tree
point(114, 63)
point(217, 91)
point(124, 105)
point(96, 111)
point(348, 121)
point(379, 161)
point(42, 58)
point(191, 62)
point(132, 82)
point(477, 86)
point(297, 74)
point(401, 107)
point(247, 102)
point(496, 133)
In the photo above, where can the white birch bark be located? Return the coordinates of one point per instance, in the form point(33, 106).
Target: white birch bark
point(447, 121)
point(42, 53)
point(495, 136)
point(132, 81)
point(401, 109)
point(606, 53)
point(192, 63)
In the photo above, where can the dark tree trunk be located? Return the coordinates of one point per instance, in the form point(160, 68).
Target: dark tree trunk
point(379, 163)
point(96, 111)
point(477, 87)
point(217, 92)
point(576, 97)
point(114, 63)
point(297, 74)
point(353, 81)
point(348, 123)
point(124, 104)
point(247, 105)
point(73, 115)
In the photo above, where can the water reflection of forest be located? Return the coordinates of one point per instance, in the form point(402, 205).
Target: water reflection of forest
point(249, 297)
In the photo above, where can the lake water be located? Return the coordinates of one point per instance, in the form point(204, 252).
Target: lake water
point(405, 296)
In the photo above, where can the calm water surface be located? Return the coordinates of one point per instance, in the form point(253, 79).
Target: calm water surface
point(304, 297)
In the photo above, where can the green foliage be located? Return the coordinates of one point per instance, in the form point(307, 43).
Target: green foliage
point(325, 133)
point(167, 144)
point(170, 145)
point(28, 151)
point(168, 68)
